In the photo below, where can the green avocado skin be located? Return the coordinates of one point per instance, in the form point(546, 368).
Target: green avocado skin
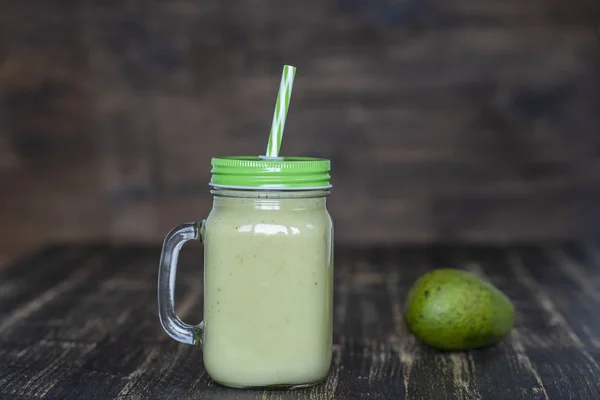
point(453, 310)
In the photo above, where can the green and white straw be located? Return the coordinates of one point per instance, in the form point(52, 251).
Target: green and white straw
point(281, 109)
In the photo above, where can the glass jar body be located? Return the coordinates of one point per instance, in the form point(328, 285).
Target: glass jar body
point(268, 288)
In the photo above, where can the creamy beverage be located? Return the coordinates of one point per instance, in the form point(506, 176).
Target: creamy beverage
point(268, 288)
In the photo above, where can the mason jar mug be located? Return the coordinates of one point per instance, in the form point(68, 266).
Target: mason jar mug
point(268, 274)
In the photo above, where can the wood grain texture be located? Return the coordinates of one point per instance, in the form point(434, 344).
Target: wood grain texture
point(456, 120)
point(80, 322)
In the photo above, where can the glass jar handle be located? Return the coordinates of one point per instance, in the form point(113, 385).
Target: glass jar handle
point(167, 269)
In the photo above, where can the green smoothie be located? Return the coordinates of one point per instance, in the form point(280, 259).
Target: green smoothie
point(268, 288)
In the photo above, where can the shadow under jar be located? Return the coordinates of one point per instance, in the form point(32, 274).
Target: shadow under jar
point(268, 268)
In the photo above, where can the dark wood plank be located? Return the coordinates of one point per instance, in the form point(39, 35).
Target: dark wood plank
point(27, 285)
point(574, 291)
point(94, 333)
point(462, 119)
point(366, 331)
point(50, 309)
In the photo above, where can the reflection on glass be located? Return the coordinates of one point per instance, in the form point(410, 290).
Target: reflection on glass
point(270, 229)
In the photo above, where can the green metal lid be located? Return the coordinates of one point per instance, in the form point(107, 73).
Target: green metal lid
point(281, 173)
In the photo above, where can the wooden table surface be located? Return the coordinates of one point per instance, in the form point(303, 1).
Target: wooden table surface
point(81, 323)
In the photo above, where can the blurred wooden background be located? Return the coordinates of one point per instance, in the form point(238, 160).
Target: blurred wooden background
point(454, 120)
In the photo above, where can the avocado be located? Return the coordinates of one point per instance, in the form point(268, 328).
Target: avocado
point(452, 310)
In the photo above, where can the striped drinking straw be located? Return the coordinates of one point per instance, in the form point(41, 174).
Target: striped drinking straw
point(281, 109)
